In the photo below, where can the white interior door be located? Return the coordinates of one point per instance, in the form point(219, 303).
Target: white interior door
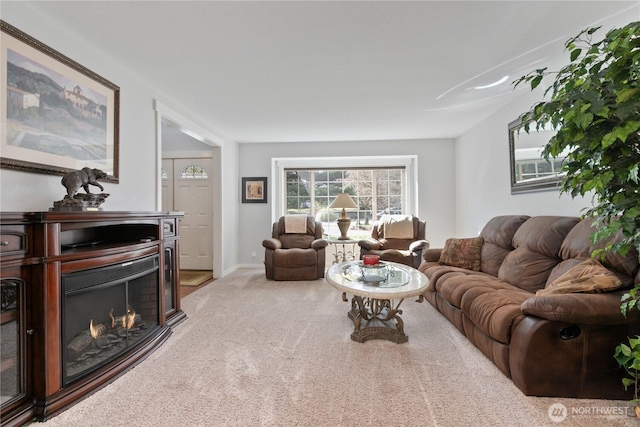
point(193, 194)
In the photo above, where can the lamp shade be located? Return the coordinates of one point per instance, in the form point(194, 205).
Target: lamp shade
point(343, 201)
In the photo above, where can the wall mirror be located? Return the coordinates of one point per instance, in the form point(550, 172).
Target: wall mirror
point(529, 170)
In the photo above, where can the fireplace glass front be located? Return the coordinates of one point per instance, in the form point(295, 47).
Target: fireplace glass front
point(106, 311)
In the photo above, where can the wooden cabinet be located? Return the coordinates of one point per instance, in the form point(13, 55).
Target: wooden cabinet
point(16, 370)
point(14, 241)
point(37, 250)
point(171, 265)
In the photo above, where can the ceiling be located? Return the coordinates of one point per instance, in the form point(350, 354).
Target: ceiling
point(271, 71)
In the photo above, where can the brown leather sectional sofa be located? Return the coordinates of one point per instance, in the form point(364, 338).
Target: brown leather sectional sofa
point(549, 345)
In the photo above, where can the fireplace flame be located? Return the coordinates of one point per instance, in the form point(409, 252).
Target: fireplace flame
point(96, 330)
point(128, 319)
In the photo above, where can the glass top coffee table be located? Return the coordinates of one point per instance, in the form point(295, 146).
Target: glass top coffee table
point(377, 291)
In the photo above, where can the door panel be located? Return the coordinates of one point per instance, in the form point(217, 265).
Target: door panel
point(193, 194)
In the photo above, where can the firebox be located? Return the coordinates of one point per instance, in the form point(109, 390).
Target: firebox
point(106, 311)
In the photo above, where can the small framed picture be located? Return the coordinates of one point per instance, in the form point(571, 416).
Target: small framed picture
point(254, 190)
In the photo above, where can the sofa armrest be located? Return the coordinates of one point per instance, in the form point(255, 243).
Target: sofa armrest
point(584, 309)
point(272, 243)
point(370, 244)
point(319, 244)
point(419, 245)
point(432, 255)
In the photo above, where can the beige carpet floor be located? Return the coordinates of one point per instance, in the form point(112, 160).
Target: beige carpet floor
point(260, 353)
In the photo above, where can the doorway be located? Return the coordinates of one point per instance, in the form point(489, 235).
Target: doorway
point(187, 187)
point(181, 139)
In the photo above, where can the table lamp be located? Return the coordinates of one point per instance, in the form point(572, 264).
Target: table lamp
point(343, 201)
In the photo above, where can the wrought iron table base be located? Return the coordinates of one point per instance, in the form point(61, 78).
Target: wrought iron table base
point(376, 319)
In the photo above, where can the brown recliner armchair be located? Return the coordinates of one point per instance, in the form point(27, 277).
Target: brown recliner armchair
point(296, 249)
point(397, 238)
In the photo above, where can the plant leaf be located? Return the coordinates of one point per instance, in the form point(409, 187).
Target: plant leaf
point(535, 82)
point(609, 139)
point(633, 173)
point(626, 94)
point(575, 53)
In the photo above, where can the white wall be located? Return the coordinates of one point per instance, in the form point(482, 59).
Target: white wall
point(232, 220)
point(482, 159)
point(483, 181)
point(461, 185)
point(136, 191)
point(435, 183)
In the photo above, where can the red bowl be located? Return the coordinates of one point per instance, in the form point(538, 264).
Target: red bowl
point(370, 259)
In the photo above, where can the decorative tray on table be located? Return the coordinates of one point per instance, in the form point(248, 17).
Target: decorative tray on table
point(381, 274)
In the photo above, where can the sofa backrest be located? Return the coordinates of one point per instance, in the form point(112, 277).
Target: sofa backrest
point(498, 241)
point(577, 247)
point(297, 240)
point(378, 232)
point(536, 251)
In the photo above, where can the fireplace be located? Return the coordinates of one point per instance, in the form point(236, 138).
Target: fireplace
point(85, 297)
point(106, 311)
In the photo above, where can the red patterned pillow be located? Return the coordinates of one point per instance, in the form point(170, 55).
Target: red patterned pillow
point(463, 253)
point(588, 277)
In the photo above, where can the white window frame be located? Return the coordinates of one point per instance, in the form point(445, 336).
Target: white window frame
point(280, 164)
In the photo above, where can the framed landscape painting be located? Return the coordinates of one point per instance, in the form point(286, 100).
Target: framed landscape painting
point(254, 190)
point(57, 115)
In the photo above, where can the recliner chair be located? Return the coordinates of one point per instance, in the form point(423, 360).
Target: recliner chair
point(397, 238)
point(296, 249)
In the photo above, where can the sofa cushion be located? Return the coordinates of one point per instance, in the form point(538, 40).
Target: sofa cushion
point(498, 241)
point(463, 253)
point(581, 309)
point(392, 255)
point(577, 247)
point(295, 257)
point(588, 276)
point(291, 241)
point(496, 312)
point(537, 245)
point(400, 244)
point(453, 282)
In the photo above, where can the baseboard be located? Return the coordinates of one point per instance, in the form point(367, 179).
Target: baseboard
point(239, 266)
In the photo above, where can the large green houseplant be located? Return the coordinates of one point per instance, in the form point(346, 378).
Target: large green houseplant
point(628, 357)
point(594, 104)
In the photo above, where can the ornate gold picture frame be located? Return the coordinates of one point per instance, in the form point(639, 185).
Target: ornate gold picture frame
point(57, 115)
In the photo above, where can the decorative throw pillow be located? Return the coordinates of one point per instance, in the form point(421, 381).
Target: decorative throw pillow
point(463, 253)
point(587, 277)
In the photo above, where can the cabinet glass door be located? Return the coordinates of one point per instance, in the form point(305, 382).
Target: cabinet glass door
point(169, 304)
point(11, 360)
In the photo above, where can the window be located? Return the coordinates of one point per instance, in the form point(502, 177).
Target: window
point(532, 169)
point(309, 185)
point(194, 172)
point(377, 185)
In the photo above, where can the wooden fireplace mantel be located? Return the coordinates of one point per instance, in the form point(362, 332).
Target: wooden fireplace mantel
point(36, 248)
